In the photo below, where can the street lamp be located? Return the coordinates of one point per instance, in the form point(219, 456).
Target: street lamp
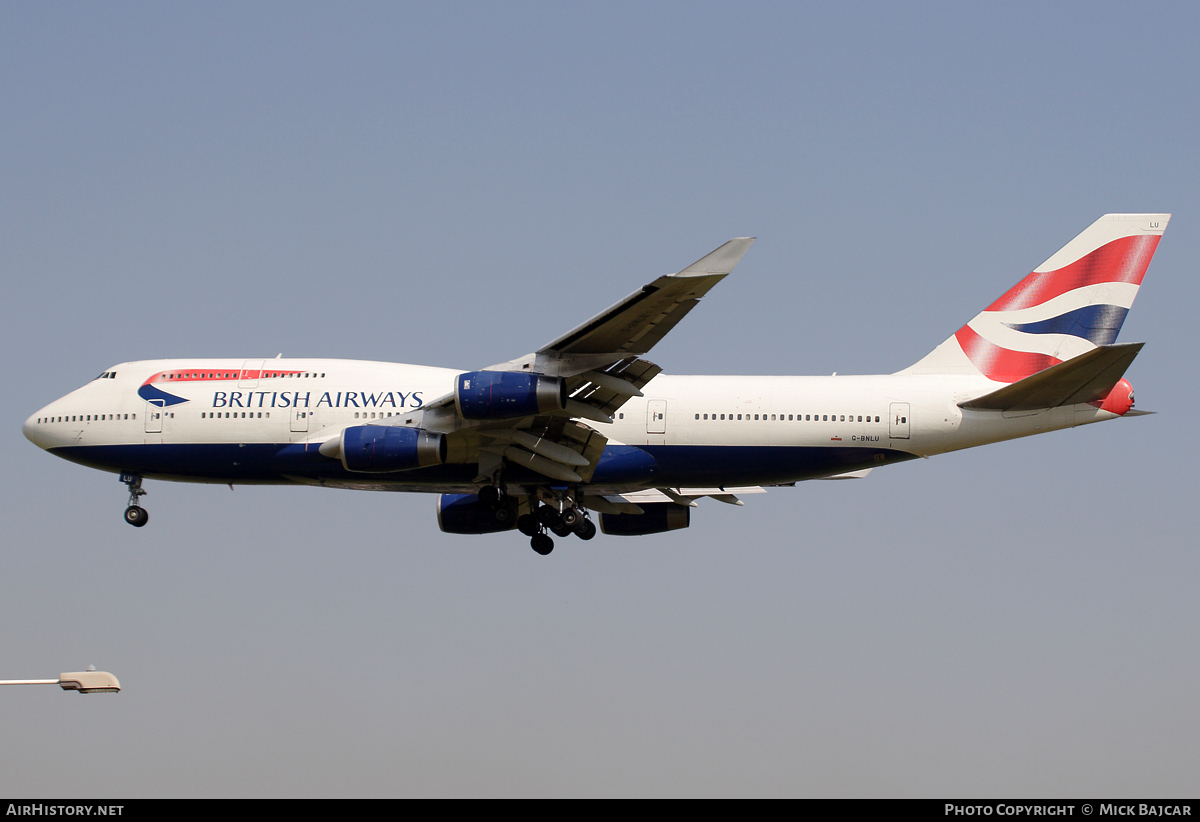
point(90, 681)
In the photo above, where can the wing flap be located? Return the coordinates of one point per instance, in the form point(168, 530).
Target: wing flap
point(605, 390)
point(859, 474)
point(687, 494)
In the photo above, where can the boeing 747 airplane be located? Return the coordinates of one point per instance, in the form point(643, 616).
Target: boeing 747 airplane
point(585, 425)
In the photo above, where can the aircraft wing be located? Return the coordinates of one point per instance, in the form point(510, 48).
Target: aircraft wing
point(600, 362)
point(612, 341)
point(637, 322)
point(601, 358)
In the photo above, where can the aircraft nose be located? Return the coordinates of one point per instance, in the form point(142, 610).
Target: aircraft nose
point(37, 432)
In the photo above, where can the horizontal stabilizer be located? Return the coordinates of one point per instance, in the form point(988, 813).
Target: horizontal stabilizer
point(1085, 378)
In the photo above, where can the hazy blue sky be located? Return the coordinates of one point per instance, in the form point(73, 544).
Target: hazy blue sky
point(457, 184)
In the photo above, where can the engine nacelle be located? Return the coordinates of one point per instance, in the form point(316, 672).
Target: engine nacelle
point(465, 514)
point(658, 517)
point(498, 395)
point(375, 449)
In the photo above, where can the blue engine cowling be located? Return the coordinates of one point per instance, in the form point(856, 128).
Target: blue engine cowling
point(658, 518)
point(497, 395)
point(381, 448)
point(465, 514)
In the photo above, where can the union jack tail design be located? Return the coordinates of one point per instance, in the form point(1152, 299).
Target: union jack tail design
point(1070, 304)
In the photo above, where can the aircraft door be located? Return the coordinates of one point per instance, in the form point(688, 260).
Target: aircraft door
point(900, 425)
point(656, 417)
point(299, 419)
point(251, 371)
point(154, 416)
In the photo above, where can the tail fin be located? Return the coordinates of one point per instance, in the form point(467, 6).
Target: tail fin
point(1070, 304)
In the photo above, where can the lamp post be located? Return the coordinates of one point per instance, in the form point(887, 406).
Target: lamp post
point(90, 681)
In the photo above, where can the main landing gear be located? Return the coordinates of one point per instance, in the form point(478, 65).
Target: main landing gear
point(135, 514)
point(563, 523)
point(496, 496)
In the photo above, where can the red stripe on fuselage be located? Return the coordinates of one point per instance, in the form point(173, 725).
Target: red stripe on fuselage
point(194, 375)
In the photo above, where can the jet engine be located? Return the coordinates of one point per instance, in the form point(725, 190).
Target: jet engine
point(497, 395)
point(466, 514)
point(658, 518)
point(381, 448)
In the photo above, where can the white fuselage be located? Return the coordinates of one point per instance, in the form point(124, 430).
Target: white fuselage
point(228, 420)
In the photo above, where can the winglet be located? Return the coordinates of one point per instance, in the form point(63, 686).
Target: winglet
point(721, 261)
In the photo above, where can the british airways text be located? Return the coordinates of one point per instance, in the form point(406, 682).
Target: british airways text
point(304, 399)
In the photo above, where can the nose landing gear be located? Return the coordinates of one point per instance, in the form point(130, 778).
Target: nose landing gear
point(135, 514)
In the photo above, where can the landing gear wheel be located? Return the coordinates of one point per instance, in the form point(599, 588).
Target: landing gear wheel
point(587, 530)
point(562, 531)
point(547, 516)
point(527, 524)
point(571, 518)
point(542, 544)
point(489, 495)
point(501, 514)
point(135, 514)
